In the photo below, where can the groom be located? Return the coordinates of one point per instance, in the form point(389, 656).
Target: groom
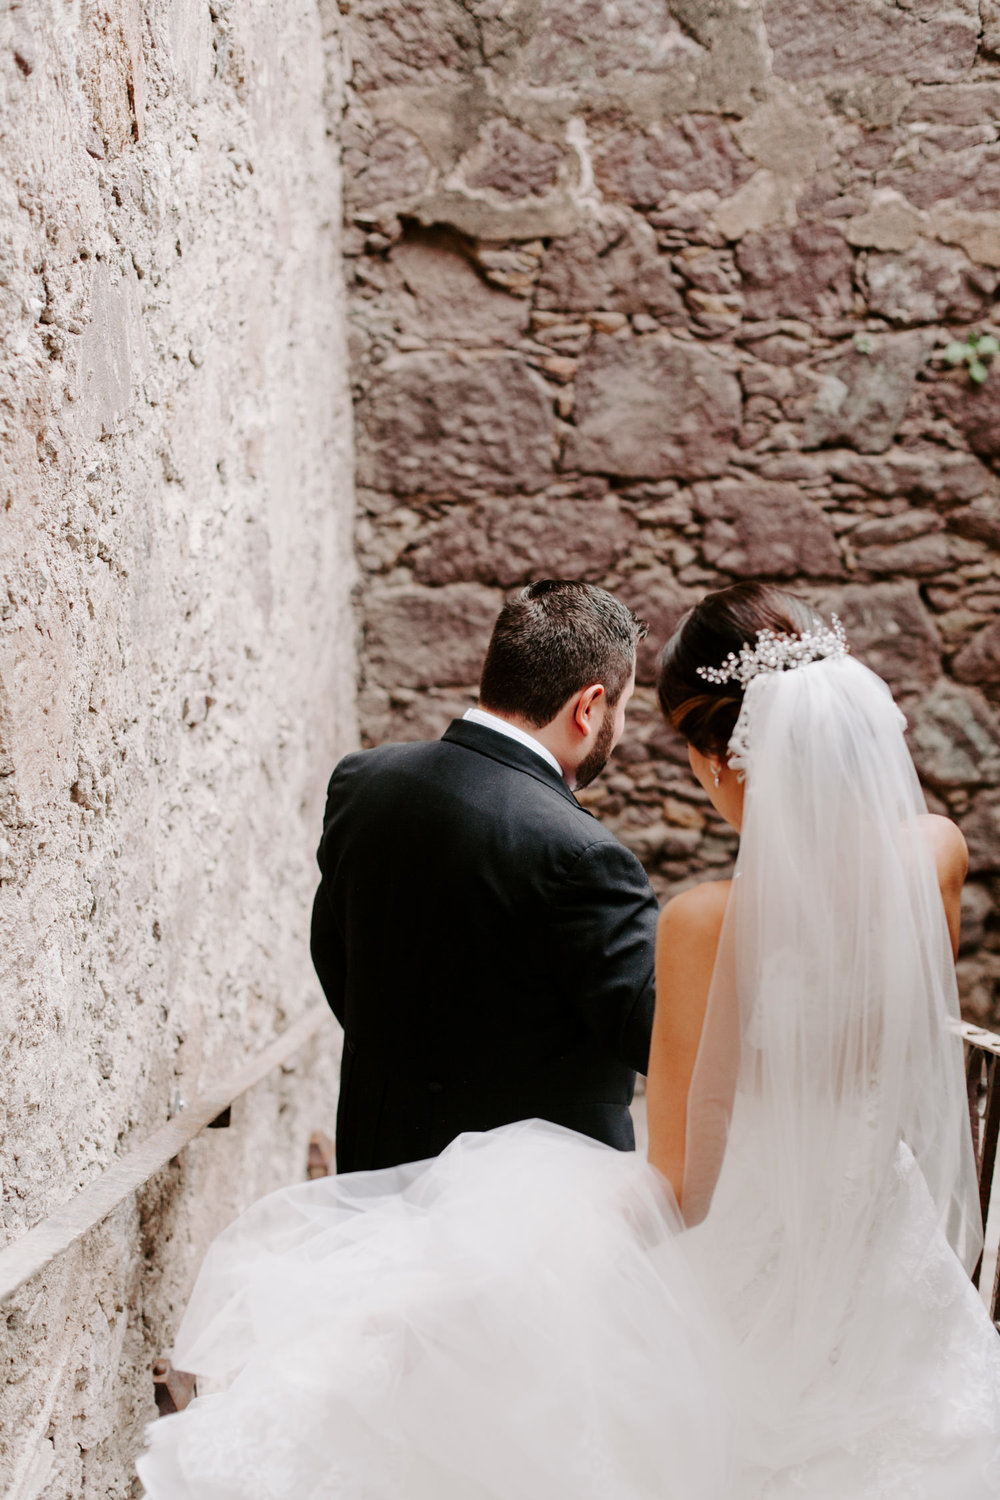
point(487, 944)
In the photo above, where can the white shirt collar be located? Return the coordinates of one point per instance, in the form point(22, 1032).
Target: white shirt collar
point(490, 721)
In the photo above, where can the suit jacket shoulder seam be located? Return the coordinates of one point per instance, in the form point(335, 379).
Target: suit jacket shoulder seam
point(608, 842)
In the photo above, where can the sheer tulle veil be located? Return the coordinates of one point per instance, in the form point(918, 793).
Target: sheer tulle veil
point(831, 1031)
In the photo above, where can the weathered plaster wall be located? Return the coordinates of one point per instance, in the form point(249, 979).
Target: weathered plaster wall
point(176, 655)
point(656, 294)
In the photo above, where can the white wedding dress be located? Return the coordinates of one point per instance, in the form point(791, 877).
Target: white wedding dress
point(527, 1317)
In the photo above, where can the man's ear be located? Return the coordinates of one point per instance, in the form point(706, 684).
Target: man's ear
point(588, 701)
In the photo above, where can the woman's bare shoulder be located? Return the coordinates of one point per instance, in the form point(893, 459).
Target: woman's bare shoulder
point(951, 852)
point(696, 913)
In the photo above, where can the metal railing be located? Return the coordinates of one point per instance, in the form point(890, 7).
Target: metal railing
point(982, 1075)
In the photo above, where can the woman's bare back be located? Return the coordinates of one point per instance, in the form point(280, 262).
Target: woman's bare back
point(686, 947)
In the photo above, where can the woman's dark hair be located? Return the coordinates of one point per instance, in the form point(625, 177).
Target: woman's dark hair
point(705, 713)
point(552, 639)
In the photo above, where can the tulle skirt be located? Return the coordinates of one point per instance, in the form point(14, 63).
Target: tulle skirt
point(525, 1318)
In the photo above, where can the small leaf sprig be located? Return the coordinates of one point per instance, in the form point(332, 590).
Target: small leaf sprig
point(975, 352)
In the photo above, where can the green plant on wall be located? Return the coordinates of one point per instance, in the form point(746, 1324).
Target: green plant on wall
point(976, 352)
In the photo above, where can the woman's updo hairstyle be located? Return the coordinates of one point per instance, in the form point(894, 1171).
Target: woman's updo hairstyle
point(705, 713)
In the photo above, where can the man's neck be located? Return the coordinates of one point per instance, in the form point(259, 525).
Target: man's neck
point(519, 729)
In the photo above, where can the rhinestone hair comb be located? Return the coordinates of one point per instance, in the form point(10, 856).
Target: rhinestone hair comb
point(778, 653)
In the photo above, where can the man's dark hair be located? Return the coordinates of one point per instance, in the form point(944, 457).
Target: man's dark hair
point(552, 639)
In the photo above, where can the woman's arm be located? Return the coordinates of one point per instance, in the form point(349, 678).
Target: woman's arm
point(687, 940)
point(951, 856)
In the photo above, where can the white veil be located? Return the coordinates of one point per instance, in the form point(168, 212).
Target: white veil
point(830, 1043)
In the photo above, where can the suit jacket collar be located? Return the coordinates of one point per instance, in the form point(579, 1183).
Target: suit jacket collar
point(509, 753)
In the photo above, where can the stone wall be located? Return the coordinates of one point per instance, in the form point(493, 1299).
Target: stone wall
point(657, 295)
point(176, 655)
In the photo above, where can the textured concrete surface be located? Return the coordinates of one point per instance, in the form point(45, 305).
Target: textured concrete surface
point(703, 261)
point(175, 650)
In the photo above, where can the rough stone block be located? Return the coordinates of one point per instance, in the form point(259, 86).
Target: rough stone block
point(452, 300)
point(918, 557)
point(955, 738)
point(979, 987)
point(824, 38)
point(884, 531)
point(656, 597)
point(710, 270)
point(958, 104)
point(929, 283)
point(411, 42)
point(766, 530)
point(981, 826)
point(434, 425)
point(578, 41)
point(499, 221)
point(422, 638)
point(392, 168)
point(804, 272)
point(989, 13)
point(410, 715)
point(979, 521)
point(862, 397)
point(614, 264)
point(977, 233)
point(968, 178)
point(889, 223)
point(652, 408)
point(936, 474)
point(766, 199)
point(977, 909)
point(889, 629)
point(654, 842)
point(693, 156)
point(978, 661)
point(974, 410)
point(508, 542)
point(512, 163)
point(786, 136)
point(776, 348)
point(876, 102)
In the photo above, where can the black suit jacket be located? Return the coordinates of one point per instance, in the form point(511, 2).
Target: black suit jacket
point(486, 944)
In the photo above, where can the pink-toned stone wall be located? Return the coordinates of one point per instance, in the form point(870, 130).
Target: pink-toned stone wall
point(656, 295)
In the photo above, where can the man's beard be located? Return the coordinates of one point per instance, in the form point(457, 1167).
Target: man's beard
point(594, 762)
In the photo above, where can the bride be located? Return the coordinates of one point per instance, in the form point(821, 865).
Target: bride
point(776, 1304)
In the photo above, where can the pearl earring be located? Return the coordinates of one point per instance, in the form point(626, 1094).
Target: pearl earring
point(715, 775)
